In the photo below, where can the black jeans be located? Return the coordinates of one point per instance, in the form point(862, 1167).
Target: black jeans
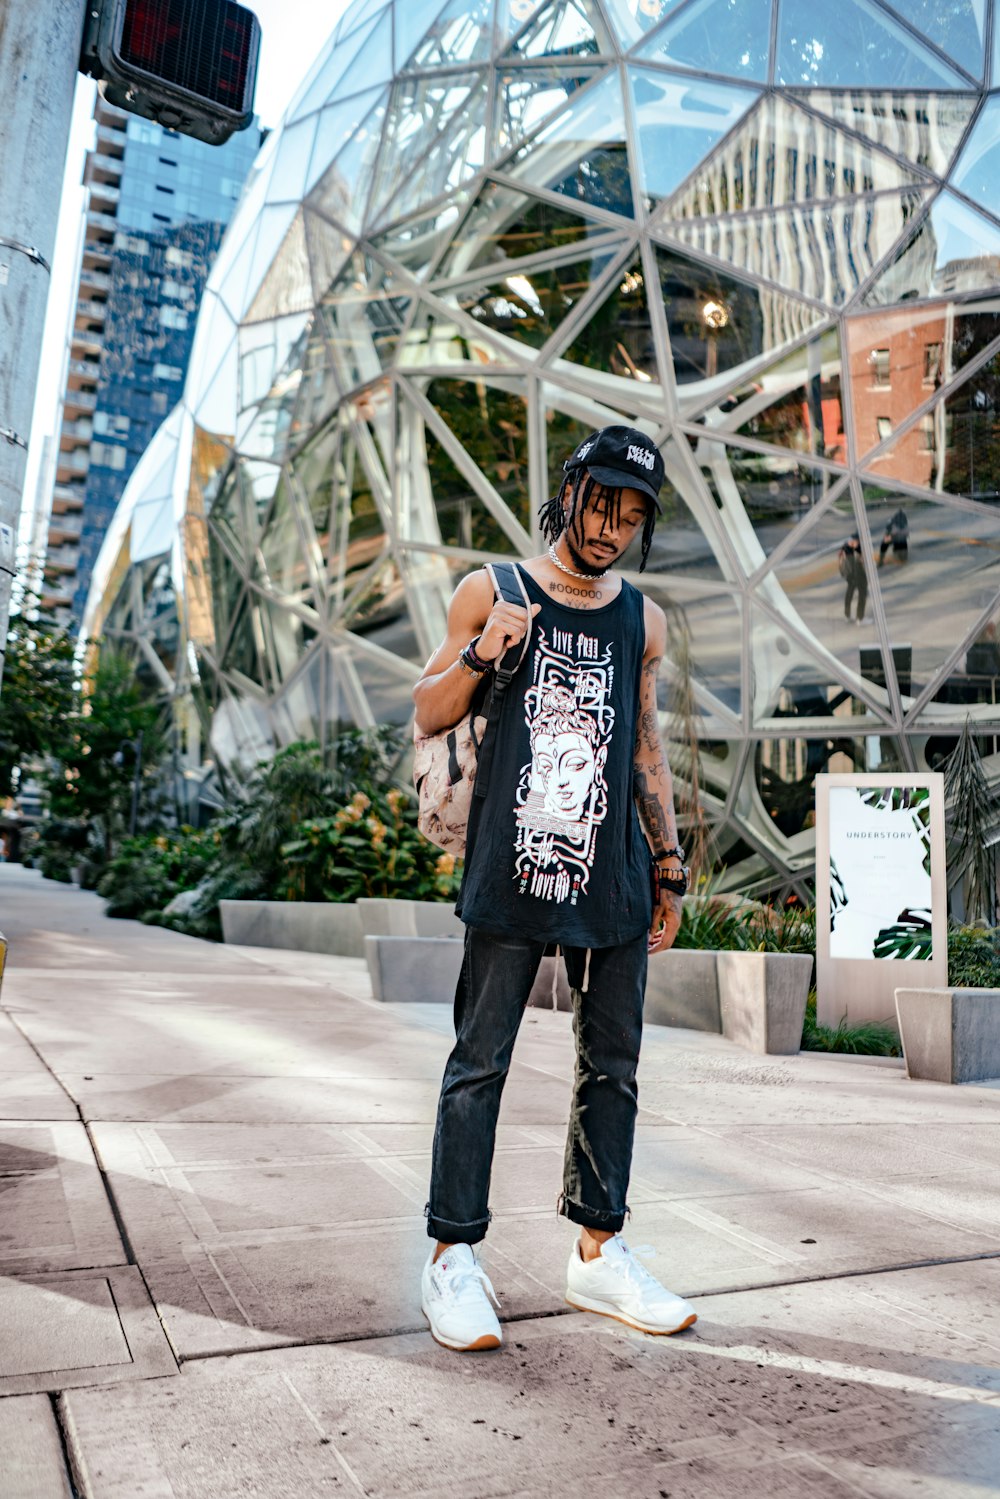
point(493, 989)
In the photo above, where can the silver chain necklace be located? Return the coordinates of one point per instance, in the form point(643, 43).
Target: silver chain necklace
point(587, 577)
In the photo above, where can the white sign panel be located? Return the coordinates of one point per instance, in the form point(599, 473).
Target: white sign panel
point(880, 873)
point(881, 892)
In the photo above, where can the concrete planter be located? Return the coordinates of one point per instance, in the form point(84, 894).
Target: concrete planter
point(950, 1035)
point(683, 989)
point(425, 970)
point(762, 999)
point(408, 918)
point(301, 926)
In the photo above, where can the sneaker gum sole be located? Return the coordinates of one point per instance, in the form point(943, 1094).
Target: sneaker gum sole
point(582, 1304)
point(488, 1340)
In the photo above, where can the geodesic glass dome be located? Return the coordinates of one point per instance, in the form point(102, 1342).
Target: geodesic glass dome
point(767, 234)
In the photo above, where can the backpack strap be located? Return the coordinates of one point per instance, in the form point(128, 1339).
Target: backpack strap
point(509, 586)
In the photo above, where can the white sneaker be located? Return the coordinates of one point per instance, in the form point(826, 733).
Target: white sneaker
point(455, 1295)
point(617, 1285)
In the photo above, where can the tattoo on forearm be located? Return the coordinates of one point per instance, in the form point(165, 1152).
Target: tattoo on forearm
point(650, 808)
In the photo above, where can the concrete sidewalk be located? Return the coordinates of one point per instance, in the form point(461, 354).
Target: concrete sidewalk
point(213, 1165)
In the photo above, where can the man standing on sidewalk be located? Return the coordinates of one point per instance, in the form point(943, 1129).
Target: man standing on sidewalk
point(556, 854)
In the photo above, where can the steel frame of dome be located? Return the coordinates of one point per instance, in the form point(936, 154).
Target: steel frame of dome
point(768, 237)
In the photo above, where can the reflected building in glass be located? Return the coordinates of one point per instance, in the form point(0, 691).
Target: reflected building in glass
point(488, 226)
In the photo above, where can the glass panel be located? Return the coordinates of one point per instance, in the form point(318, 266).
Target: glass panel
point(527, 96)
point(721, 36)
point(529, 306)
point(413, 21)
point(337, 124)
point(709, 631)
point(334, 68)
point(781, 155)
point(280, 564)
point(415, 243)
point(582, 153)
point(954, 250)
point(355, 530)
point(462, 520)
point(785, 770)
point(678, 122)
point(823, 588)
point(419, 110)
point(618, 338)
point(463, 32)
point(291, 164)
point(957, 26)
point(925, 129)
point(977, 170)
point(938, 569)
point(363, 317)
point(457, 153)
point(854, 44)
point(387, 694)
point(241, 652)
point(717, 323)
point(287, 285)
point(284, 635)
point(823, 252)
point(491, 423)
point(307, 709)
point(343, 189)
point(632, 19)
point(898, 359)
point(434, 340)
point(795, 403)
point(763, 497)
point(377, 610)
point(512, 14)
point(503, 225)
point(566, 28)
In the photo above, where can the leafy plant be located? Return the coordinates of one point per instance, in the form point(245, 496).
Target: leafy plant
point(909, 937)
point(973, 813)
point(873, 1038)
point(39, 694)
point(974, 957)
point(149, 870)
point(371, 847)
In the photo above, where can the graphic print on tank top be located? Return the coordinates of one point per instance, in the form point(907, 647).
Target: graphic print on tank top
point(562, 794)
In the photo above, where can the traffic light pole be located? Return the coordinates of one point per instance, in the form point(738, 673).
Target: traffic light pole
point(39, 57)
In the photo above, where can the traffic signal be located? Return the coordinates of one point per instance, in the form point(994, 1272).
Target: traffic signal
point(191, 65)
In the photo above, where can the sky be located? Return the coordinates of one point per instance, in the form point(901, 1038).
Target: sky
point(292, 34)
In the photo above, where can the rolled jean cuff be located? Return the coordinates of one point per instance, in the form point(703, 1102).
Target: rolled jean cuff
point(577, 1212)
point(455, 1233)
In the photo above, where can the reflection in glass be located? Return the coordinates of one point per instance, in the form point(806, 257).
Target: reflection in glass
point(527, 96)
point(924, 128)
point(785, 770)
point(762, 496)
point(717, 322)
point(898, 360)
point(938, 571)
point(441, 164)
point(415, 243)
point(954, 250)
point(633, 19)
point(491, 423)
point(582, 153)
point(529, 304)
point(977, 169)
point(563, 28)
point(503, 226)
point(853, 45)
point(703, 637)
point(618, 338)
point(795, 402)
point(462, 32)
point(720, 36)
point(679, 120)
point(957, 26)
point(342, 193)
point(419, 110)
point(823, 251)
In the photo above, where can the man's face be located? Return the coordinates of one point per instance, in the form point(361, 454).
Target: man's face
point(566, 764)
point(595, 541)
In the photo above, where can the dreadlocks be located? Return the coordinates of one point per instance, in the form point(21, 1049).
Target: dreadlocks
point(581, 488)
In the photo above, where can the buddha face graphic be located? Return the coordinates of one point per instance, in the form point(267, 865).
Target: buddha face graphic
point(567, 757)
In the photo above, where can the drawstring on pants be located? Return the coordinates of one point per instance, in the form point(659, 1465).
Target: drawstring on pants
point(555, 978)
point(586, 974)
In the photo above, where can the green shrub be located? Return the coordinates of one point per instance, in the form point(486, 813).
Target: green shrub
point(371, 847)
point(873, 1038)
point(713, 921)
point(149, 870)
point(974, 957)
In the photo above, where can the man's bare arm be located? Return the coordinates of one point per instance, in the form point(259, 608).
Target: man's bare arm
point(445, 691)
point(654, 790)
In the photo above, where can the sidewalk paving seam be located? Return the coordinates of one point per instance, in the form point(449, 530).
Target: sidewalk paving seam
point(72, 1489)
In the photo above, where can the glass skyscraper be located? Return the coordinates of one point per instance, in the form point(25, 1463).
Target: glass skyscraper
point(158, 206)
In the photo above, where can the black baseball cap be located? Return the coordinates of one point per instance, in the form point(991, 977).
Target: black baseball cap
point(621, 458)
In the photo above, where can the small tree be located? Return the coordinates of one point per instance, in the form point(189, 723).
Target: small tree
point(973, 817)
point(38, 697)
point(95, 774)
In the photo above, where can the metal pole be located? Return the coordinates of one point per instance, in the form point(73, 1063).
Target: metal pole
point(39, 56)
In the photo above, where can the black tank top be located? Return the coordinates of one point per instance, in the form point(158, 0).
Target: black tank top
point(555, 849)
